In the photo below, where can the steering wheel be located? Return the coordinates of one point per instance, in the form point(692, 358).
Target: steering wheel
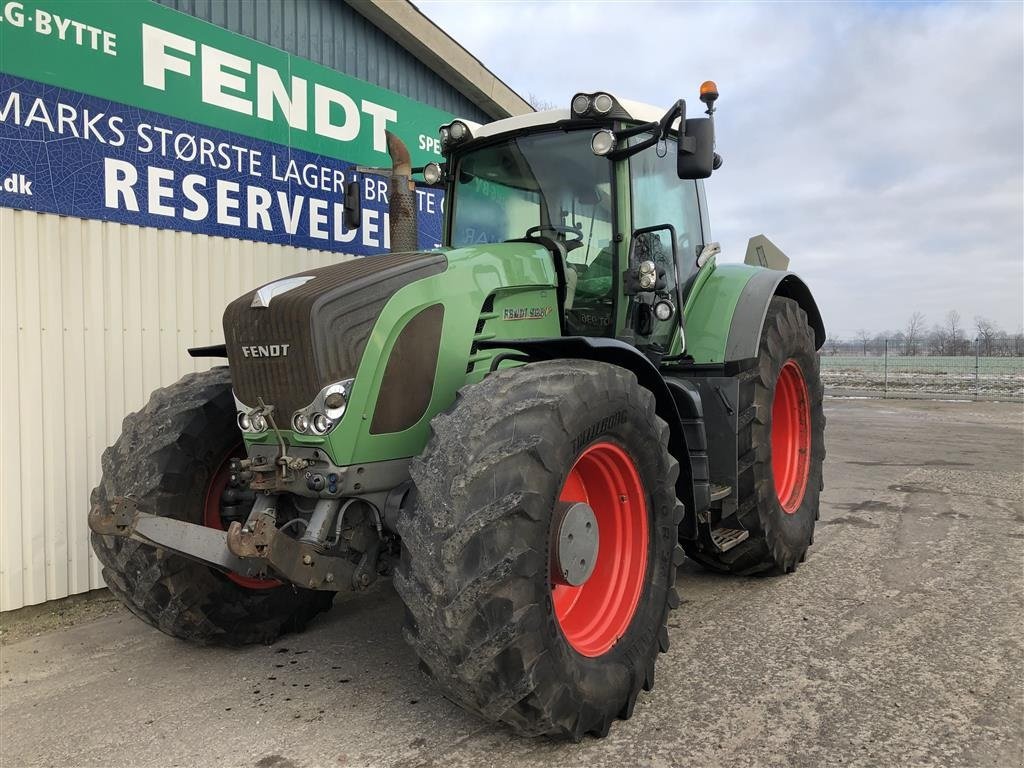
point(564, 229)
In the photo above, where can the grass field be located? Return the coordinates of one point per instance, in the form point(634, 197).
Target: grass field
point(983, 378)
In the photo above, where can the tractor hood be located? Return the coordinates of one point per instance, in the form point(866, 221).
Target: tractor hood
point(289, 339)
point(388, 339)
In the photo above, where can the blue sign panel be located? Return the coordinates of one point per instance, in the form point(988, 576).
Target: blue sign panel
point(67, 153)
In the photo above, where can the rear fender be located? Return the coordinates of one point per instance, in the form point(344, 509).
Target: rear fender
point(726, 313)
point(752, 308)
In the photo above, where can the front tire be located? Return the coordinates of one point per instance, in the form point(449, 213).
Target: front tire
point(489, 614)
point(172, 457)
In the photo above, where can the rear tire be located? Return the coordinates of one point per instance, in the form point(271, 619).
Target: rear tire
point(476, 573)
point(781, 450)
point(167, 458)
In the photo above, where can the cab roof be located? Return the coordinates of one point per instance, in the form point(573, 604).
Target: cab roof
point(636, 110)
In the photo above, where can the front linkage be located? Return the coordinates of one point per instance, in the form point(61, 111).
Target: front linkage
point(258, 549)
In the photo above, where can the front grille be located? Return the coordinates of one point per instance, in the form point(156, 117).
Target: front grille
point(325, 323)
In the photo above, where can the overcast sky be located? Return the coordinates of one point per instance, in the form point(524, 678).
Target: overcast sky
point(880, 145)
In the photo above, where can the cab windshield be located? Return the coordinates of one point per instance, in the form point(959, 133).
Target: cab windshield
point(544, 185)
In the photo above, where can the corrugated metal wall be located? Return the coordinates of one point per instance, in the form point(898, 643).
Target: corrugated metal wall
point(95, 315)
point(331, 33)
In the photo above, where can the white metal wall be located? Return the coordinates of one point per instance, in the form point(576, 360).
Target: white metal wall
point(95, 315)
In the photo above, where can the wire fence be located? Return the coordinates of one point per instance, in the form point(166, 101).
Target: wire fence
point(982, 370)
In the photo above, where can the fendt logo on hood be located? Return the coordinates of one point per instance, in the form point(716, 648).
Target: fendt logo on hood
point(265, 350)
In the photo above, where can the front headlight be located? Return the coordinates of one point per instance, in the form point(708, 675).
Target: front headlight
point(334, 405)
point(250, 420)
point(321, 424)
point(326, 410)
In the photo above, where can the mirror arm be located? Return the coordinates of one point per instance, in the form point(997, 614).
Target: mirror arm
point(636, 130)
point(629, 151)
point(659, 131)
point(677, 110)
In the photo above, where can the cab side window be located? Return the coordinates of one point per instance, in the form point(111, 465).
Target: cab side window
point(661, 197)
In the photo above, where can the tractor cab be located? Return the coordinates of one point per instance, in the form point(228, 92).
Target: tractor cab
point(612, 188)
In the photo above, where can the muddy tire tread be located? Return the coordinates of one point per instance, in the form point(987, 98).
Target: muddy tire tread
point(163, 459)
point(465, 574)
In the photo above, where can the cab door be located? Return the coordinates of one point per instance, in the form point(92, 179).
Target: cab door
point(660, 197)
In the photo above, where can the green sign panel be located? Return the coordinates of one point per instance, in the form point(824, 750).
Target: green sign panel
point(145, 55)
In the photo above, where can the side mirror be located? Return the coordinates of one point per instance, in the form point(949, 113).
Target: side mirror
point(353, 205)
point(696, 158)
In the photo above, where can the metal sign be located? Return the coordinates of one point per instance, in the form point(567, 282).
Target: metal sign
point(132, 112)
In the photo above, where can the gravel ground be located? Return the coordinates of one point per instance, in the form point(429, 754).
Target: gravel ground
point(37, 620)
point(898, 642)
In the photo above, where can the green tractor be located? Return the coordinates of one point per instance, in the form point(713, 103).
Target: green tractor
point(526, 428)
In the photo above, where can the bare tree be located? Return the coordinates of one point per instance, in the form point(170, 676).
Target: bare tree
point(540, 104)
point(912, 335)
point(938, 340)
point(955, 333)
point(833, 345)
point(987, 331)
point(863, 337)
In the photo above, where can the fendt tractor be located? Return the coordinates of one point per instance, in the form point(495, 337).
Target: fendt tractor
point(526, 429)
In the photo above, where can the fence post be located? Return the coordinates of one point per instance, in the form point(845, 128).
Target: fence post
point(885, 369)
point(977, 379)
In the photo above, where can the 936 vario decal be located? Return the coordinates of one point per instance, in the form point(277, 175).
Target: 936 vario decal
point(526, 313)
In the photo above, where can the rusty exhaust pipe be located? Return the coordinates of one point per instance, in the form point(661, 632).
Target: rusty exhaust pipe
point(404, 229)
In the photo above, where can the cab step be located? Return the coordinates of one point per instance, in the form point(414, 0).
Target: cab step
point(725, 539)
point(719, 492)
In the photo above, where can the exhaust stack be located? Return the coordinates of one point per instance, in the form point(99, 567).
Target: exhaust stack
point(404, 229)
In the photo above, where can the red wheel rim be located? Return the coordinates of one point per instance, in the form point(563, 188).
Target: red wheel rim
point(211, 517)
point(594, 615)
point(791, 437)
